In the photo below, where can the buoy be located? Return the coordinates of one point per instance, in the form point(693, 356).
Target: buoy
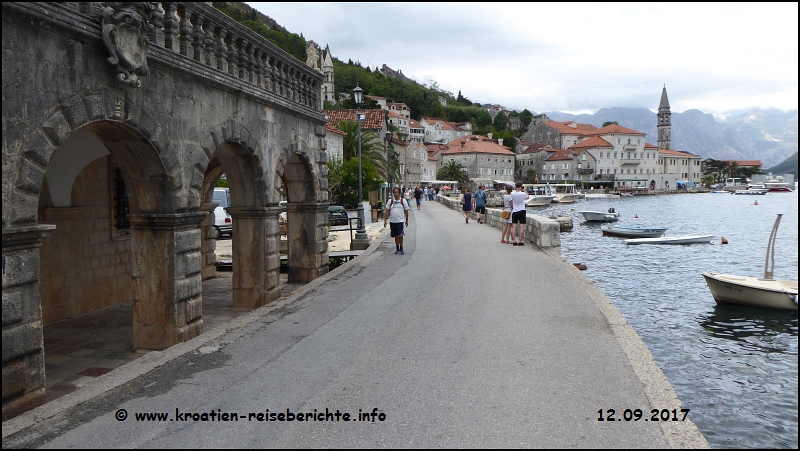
point(636, 216)
point(756, 203)
point(724, 241)
point(580, 266)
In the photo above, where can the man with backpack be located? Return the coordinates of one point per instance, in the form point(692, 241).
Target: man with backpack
point(396, 210)
point(480, 203)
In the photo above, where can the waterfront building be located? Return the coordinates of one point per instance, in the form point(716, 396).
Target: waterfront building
point(559, 135)
point(532, 158)
point(481, 157)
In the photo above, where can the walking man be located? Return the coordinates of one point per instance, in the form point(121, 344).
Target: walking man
point(418, 196)
point(480, 203)
point(518, 214)
point(397, 210)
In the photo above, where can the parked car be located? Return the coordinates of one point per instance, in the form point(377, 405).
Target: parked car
point(337, 215)
point(222, 220)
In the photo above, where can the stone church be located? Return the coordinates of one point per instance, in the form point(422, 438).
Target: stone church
point(321, 60)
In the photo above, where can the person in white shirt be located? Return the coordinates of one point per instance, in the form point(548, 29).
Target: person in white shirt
point(518, 214)
point(397, 210)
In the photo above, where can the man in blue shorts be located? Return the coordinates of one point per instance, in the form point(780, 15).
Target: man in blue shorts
point(480, 203)
point(397, 211)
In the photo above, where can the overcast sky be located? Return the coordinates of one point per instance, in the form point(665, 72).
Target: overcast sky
point(570, 57)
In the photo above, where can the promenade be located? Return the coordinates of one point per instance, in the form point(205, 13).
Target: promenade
point(462, 342)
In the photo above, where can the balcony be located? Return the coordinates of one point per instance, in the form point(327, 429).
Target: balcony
point(630, 162)
point(585, 171)
point(629, 147)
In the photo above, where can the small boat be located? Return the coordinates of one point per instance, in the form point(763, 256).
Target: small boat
point(538, 194)
point(753, 189)
point(752, 291)
point(564, 193)
point(686, 239)
point(633, 231)
point(600, 196)
point(599, 216)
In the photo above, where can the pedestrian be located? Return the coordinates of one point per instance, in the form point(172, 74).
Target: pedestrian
point(480, 203)
point(407, 196)
point(504, 238)
point(518, 214)
point(466, 203)
point(426, 194)
point(397, 210)
point(418, 196)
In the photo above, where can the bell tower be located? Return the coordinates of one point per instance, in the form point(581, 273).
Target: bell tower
point(327, 70)
point(664, 121)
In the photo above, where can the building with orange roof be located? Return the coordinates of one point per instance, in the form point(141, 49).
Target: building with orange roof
point(416, 132)
point(334, 142)
point(399, 108)
point(531, 161)
point(400, 122)
point(481, 156)
point(438, 130)
point(374, 120)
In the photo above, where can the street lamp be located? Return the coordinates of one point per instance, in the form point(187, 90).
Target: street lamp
point(388, 140)
point(361, 232)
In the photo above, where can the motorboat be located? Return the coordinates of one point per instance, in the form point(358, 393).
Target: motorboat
point(753, 291)
point(686, 239)
point(599, 216)
point(564, 193)
point(752, 191)
point(538, 194)
point(778, 184)
point(633, 231)
point(591, 195)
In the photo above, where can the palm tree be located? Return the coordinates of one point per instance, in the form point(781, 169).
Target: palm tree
point(371, 146)
point(453, 171)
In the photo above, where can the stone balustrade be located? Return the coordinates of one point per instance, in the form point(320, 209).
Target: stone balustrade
point(539, 230)
point(198, 38)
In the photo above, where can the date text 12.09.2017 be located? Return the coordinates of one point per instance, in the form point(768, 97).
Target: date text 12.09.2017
point(638, 415)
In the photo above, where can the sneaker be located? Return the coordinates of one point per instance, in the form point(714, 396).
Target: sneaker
point(402, 252)
point(397, 252)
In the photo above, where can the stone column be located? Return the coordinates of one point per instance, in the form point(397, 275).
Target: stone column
point(23, 342)
point(307, 240)
point(208, 244)
point(167, 286)
point(256, 261)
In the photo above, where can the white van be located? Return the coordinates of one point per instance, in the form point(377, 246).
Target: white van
point(222, 220)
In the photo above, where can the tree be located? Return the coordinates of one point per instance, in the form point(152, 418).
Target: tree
point(455, 172)
point(500, 121)
point(530, 176)
point(372, 147)
point(526, 117)
point(609, 123)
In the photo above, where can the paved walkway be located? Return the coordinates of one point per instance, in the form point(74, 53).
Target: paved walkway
point(462, 342)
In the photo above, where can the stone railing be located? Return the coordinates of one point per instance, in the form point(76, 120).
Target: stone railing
point(199, 39)
point(539, 230)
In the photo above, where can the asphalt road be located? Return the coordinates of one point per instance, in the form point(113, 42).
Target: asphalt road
point(462, 342)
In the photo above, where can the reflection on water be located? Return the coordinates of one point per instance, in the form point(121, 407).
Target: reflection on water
point(734, 366)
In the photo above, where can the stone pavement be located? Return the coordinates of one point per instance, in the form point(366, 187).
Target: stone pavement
point(463, 342)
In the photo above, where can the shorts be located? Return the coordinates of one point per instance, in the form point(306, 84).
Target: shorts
point(396, 229)
point(418, 201)
point(480, 210)
point(518, 217)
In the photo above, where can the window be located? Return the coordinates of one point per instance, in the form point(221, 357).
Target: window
point(615, 155)
point(584, 157)
point(120, 202)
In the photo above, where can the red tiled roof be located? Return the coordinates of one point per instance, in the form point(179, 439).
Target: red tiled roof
point(594, 141)
point(374, 119)
point(538, 147)
point(395, 115)
point(564, 127)
point(476, 144)
point(561, 154)
point(647, 145)
point(615, 129)
point(446, 125)
point(745, 162)
point(334, 130)
point(414, 124)
point(677, 153)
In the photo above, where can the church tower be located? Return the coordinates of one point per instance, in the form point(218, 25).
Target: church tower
point(664, 121)
point(327, 71)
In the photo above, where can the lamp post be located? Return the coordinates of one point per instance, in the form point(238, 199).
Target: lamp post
point(388, 140)
point(361, 232)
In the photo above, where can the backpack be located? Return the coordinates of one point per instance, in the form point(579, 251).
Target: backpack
point(401, 202)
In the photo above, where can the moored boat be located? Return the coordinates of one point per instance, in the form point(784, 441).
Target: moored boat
point(752, 191)
point(538, 194)
point(633, 231)
point(599, 216)
point(779, 294)
point(753, 291)
point(564, 193)
point(686, 239)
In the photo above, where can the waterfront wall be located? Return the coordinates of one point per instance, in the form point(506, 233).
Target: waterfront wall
point(539, 230)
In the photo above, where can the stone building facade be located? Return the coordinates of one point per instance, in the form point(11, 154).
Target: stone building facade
point(113, 142)
point(482, 157)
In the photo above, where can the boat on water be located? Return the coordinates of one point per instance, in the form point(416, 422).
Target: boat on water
point(564, 193)
point(599, 216)
point(752, 191)
point(633, 231)
point(753, 291)
point(779, 184)
point(590, 195)
point(686, 239)
point(538, 194)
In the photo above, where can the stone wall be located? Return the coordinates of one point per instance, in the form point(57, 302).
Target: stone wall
point(85, 265)
point(539, 230)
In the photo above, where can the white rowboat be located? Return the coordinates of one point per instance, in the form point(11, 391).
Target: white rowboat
point(687, 239)
point(632, 231)
point(779, 294)
point(599, 216)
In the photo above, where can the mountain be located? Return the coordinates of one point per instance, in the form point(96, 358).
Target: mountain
point(768, 135)
point(787, 167)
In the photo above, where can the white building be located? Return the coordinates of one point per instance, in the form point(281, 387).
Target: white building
point(438, 130)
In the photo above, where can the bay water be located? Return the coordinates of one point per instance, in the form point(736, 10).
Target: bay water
point(735, 367)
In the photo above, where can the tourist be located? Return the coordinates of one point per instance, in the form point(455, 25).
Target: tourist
point(418, 196)
point(480, 203)
point(518, 214)
point(507, 222)
point(426, 194)
point(396, 210)
point(466, 204)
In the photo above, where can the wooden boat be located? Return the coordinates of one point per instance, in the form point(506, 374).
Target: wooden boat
point(766, 292)
point(686, 239)
point(633, 231)
point(599, 216)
